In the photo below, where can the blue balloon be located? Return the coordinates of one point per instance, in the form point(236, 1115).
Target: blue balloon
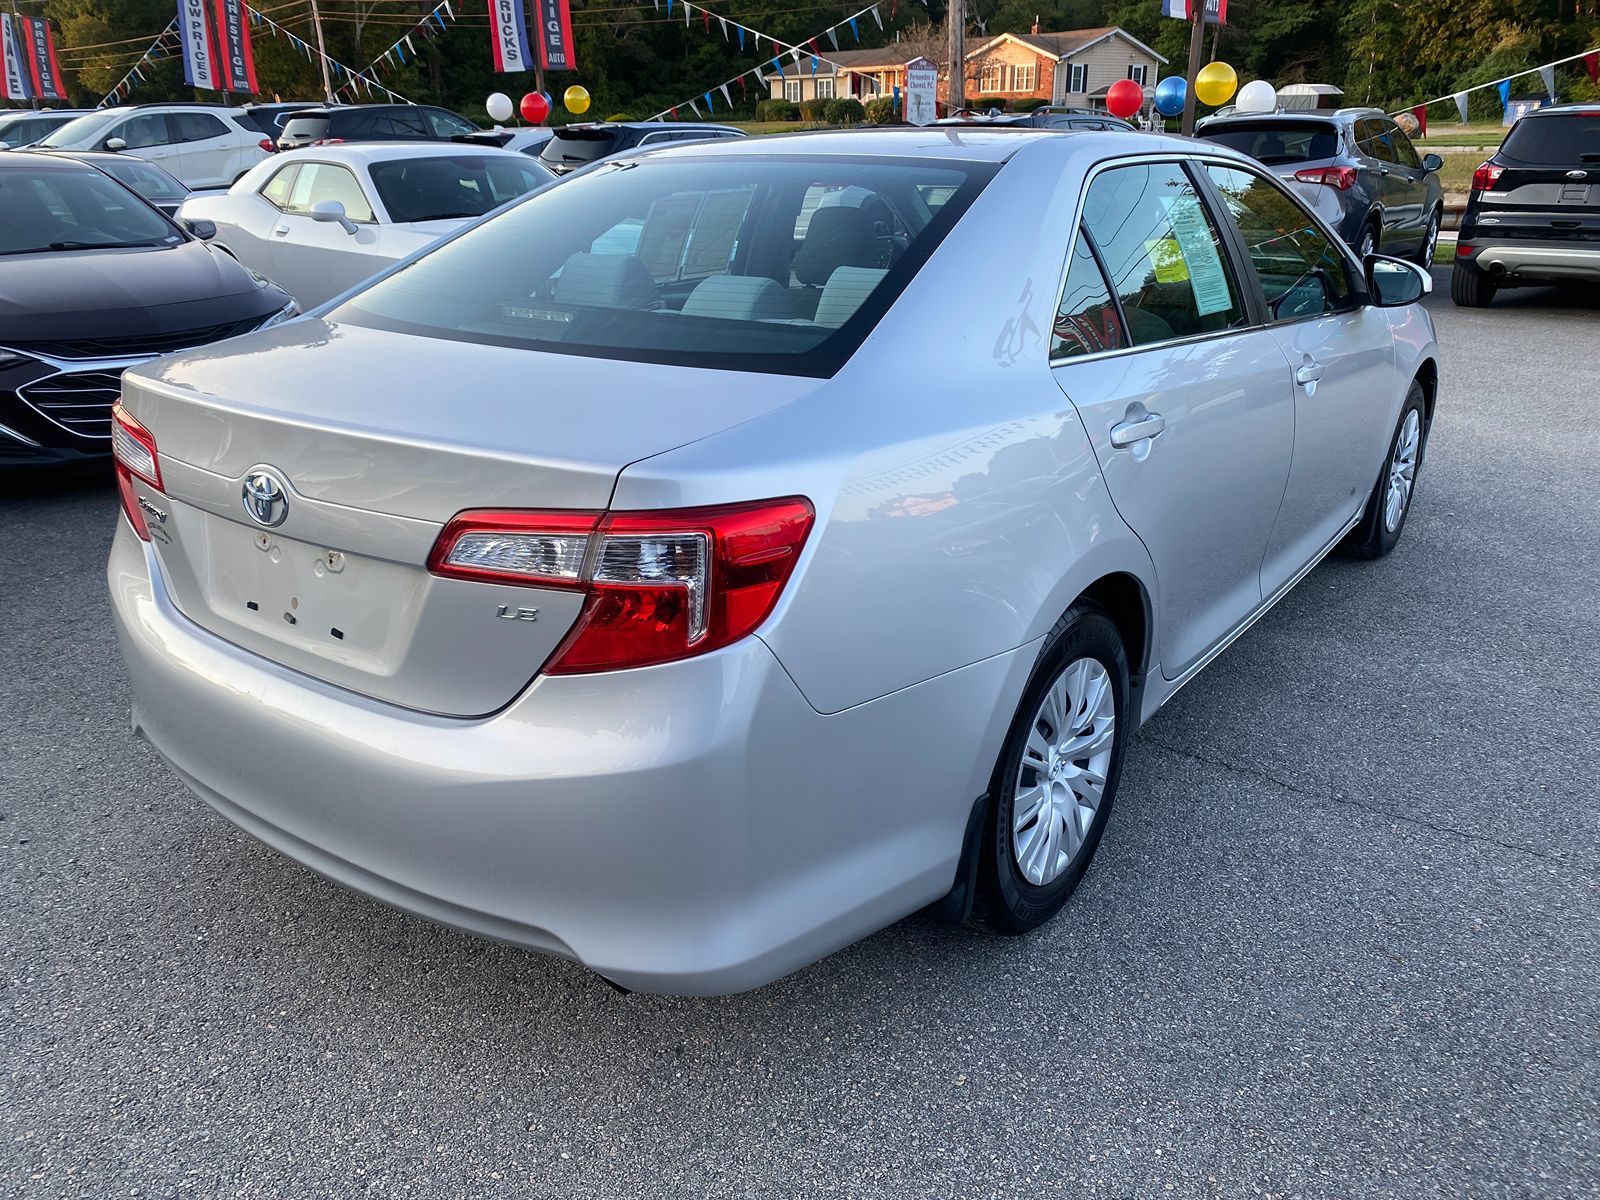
point(1169, 96)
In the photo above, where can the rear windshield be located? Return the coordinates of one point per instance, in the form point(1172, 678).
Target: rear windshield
point(1272, 142)
point(306, 127)
point(440, 186)
point(72, 211)
point(573, 148)
point(742, 263)
point(1559, 139)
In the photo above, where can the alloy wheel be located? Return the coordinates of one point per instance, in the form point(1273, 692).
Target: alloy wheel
point(1402, 471)
point(1065, 763)
point(1430, 243)
point(1369, 242)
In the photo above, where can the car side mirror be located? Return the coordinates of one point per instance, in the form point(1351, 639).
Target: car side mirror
point(199, 227)
point(5, 145)
point(331, 212)
point(1432, 163)
point(115, 144)
point(1395, 283)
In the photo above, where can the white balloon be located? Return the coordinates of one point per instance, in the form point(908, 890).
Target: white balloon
point(499, 106)
point(1257, 96)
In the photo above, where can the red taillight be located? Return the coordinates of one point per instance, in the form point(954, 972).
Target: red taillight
point(1485, 177)
point(1343, 178)
point(328, 142)
point(135, 453)
point(1464, 249)
point(660, 585)
point(267, 144)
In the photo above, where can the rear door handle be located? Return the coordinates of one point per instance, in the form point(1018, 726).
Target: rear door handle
point(1126, 433)
point(1310, 371)
point(281, 231)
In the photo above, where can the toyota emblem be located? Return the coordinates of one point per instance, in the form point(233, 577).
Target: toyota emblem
point(265, 496)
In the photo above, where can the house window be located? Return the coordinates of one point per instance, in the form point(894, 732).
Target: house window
point(1137, 73)
point(824, 87)
point(791, 90)
point(1025, 79)
point(1077, 78)
point(992, 78)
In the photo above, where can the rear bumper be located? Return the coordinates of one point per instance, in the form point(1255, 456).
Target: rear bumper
point(1535, 261)
point(694, 828)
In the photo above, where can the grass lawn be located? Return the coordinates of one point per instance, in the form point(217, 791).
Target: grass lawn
point(1489, 134)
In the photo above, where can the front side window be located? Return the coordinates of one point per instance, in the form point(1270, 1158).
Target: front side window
point(74, 210)
point(400, 123)
point(1162, 252)
point(689, 261)
point(1087, 320)
point(440, 187)
point(320, 182)
point(1405, 150)
point(1302, 272)
point(447, 125)
point(147, 130)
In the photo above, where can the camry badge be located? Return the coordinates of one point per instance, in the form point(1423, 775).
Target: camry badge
point(265, 496)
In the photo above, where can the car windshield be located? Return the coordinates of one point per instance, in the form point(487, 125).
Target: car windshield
point(771, 264)
point(569, 148)
point(1273, 142)
point(434, 187)
point(81, 129)
point(1560, 139)
point(61, 209)
point(149, 181)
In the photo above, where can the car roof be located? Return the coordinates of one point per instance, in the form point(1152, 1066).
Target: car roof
point(1579, 107)
point(370, 152)
point(50, 162)
point(954, 142)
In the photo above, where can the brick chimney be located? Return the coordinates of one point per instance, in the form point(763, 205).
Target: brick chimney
point(1036, 24)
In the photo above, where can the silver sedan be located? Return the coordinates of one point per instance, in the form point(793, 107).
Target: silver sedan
point(710, 560)
point(321, 220)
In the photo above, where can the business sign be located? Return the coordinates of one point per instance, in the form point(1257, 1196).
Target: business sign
point(922, 91)
point(556, 51)
point(508, 36)
point(1216, 10)
point(14, 73)
point(238, 65)
point(200, 67)
point(42, 58)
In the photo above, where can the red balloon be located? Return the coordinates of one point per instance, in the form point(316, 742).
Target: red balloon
point(535, 107)
point(1124, 98)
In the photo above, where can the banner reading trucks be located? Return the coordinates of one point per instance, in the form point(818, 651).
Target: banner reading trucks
point(556, 51)
point(508, 34)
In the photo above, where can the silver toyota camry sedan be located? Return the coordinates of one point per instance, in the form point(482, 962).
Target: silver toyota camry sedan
point(730, 550)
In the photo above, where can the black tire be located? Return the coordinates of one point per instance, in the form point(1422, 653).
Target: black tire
point(1430, 239)
point(1470, 287)
point(1006, 901)
point(1372, 537)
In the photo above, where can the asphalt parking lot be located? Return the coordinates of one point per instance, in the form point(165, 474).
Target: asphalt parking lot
point(1343, 938)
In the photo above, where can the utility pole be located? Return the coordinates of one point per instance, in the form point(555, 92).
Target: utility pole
point(957, 97)
point(322, 53)
point(1197, 46)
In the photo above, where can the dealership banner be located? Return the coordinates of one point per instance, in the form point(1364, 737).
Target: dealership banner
point(200, 66)
point(42, 64)
point(508, 34)
point(237, 68)
point(14, 73)
point(556, 51)
point(1216, 10)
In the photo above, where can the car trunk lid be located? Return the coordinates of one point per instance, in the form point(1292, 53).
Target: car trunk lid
point(1545, 181)
point(372, 440)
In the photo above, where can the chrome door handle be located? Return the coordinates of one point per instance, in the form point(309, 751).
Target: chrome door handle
point(1126, 433)
point(281, 231)
point(1383, 170)
point(1310, 372)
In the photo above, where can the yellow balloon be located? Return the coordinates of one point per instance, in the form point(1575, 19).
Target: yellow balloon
point(1215, 84)
point(576, 99)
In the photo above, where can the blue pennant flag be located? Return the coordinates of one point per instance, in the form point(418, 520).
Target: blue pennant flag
point(779, 66)
point(669, 8)
point(813, 64)
point(1504, 88)
point(709, 107)
point(741, 37)
point(855, 29)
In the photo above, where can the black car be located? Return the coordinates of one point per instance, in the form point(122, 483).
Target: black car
point(94, 279)
point(1534, 213)
point(331, 124)
point(574, 146)
point(164, 190)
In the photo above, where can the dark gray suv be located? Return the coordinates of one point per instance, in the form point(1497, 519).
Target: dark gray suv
point(1355, 166)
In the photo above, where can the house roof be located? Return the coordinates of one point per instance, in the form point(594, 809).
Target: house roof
point(883, 58)
point(1066, 43)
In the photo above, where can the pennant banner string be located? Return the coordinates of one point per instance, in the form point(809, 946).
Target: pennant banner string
point(115, 92)
point(1456, 96)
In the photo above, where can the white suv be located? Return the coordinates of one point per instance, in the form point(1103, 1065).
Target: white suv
point(204, 145)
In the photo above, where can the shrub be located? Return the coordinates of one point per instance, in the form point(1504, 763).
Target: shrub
point(1029, 105)
point(984, 103)
point(619, 117)
point(813, 110)
point(844, 111)
point(880, 110)
point(777, 110)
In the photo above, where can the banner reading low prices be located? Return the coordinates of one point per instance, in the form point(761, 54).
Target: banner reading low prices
point(556, 51)
point(199, 49)
point(1216, 10)
point(508, 35)
point(237, 66)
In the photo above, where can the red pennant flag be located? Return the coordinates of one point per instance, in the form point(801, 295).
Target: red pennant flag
point(674, 112)
point(894, 9)
point(1420, 112)
point(743, 91)
point(707, 15)
point(1591, 64)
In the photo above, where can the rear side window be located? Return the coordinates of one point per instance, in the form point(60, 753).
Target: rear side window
point(1162, 252)
point(447, 125)
point(1561, 139)
point(280, 186)
point(197, 127)
point(320, 182)
point(689, 261)
point(1087, 320)
point(1273, 142)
